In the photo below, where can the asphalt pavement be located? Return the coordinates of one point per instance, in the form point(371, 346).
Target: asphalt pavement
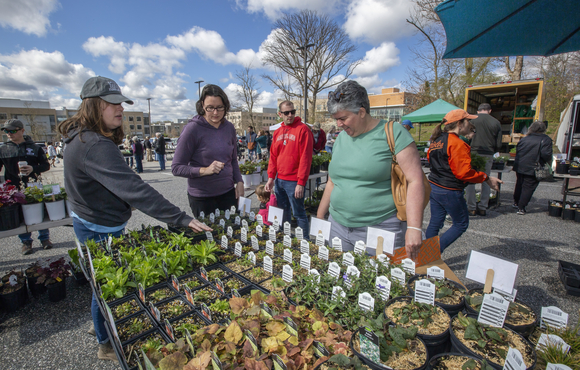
point(46, 335)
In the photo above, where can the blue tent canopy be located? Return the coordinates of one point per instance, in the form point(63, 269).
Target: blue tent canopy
point(494, 28)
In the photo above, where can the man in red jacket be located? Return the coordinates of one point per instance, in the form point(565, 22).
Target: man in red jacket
point(290, 159)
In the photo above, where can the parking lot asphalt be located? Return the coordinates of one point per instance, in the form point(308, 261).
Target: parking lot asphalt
point(46, 335)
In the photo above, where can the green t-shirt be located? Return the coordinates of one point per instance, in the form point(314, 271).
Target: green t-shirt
point(361, 172)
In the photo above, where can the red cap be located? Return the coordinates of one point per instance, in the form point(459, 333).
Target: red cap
point(457, 115)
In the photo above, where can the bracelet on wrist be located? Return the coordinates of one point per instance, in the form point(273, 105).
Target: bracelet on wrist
point(414, 228)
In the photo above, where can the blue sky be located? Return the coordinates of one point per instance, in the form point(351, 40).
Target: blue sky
point(157, 49)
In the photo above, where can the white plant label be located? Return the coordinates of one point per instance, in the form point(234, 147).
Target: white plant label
point(360, 247)
point(237, 220)
point(112, 321)
point(493, 310)
point(351, 271)
point(409, 266)
point(509, 296)
point(260, 220)
point(398, 274)
point(304, 247)
point(384, 286)
point(320, 239)
point(255, 245)
point(217, 212)
point(238, 251)
point(270, 248)
point(252, 216)
point(230, 232)
point(272, 235)
point(436, 273)
point(245, 224)
point(287, 229)
point(514, 360)
point(336, 291)
point(276, 225)
point(323, 253)
point(287, 273)
point(252, 257)
point(334, 269)
point(287, 255)
point(227, 214)
point(287, 241)
point(347, 259)
point(233, 210)
point(268, 264)
point(425, 292)
point(551, 340)
point(222, 222)
point(211, 218)
point(299, 233)
point(244, 235)
point(202, 214)
point(109, 242)
point(554, 317)
point(366, 301)
point(259, 231)
point(337, 243)
point(224, 242)
point(315, 272)
point(552, 366)
point(305, 261)
point(209, 236)
point(374, 265)
point(384, 259)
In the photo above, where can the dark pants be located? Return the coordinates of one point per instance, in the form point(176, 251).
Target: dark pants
point(127, 160)
point(209, 204)
point(291, 205)
point(139, 162)
point(525, 187)
point(443, 202)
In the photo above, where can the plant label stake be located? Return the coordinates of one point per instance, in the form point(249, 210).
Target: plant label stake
point(219, 285)
point(320, 350)
point(425, 292)
point(91, 265)
point(408, 266)
point(109, 242)
point(217, 212)
point(270, 248)
point(222, 223)
point(323, 253)
point(114, 327)
point(205, 311)
point(369, 345)
point(154, 312)
point(514, 360)
point(250, 337)
point(227, 214)
point(276, 225)
point(211, 218)
point(305, 262)
point(266, 310)
point(347, 259)
point(399, 275)
point(551, 366)
point(169, 330)
point(188, 295)
point(291, 327)
point(287, 273)
point(272, 234)
point(366, 302)
point(235, 293)
point(287, 228)
point(259, 231)
point(509, 296)
point(315, 272)
point(260, 220)
point(252, 257)
point(224, 242)
point(252, 216)
point(360, 247)
point(203, 273)
point(436, 273)
point(334, 269)
point(215, 362)
point(237, 220)
point(554, 317)
point(244, 224)
point(320, 239)
point(336, 291)
point(175, 283)
point(488, 281)
point(238, 251)
point(304, 247)
point(209, 236)
point(230, 232)
point(383, 284)
point(202, 214)
point(299, 233)
point(233, 210)
point(287, 241)
point(278, 363)
point(351, 271)
point(552, 340)
point(493, 310)
point(141, 293)
point(337, 243)
point(380, 242)
point(244, 235)
point(255, 245)
point(287, 255)
point(268, 264)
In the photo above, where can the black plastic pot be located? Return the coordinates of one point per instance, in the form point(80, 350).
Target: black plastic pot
point(35, 289)
point(314, 169)
point(11, 302)
point(554, 211)
point(569, 214)
point(574, 171)
point(435, 343)
point(562, 168)
point(10, 217)
point(498, 165)
point(451, 309)
point(442, 356)
point(458, 346)
point(374, 365)
point(57, 291)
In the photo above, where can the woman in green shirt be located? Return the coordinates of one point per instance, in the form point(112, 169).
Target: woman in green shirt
point(358, 192)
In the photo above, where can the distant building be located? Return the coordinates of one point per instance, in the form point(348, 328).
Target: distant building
point(390, 104)
point(263, 119)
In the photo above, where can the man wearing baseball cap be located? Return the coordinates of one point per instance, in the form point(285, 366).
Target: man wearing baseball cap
point(24, 161)
point(407, 124)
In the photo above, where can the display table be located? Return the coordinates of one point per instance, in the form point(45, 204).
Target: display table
point(308, 190)
point(574, 191)
point(46, 224)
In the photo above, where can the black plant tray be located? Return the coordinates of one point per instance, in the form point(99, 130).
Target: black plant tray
point(122, 361)
point(198, 317)
point(569, 274)
point(215, 266)
point(157, 287)
point(125, 299)
point(248, 290)
point(195, 237)
point(246, 283)
point(188, 276)
point(147, 315)
point(164, 302)
point(197, 304)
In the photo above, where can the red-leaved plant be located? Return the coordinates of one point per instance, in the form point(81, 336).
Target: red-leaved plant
point(9, 195)
point(55, 272)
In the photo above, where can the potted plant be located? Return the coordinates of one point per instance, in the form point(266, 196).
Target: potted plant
point(247, 169)
point(13, 293)
point(33, 272)
point(498, 163)
point(478, 162)
point(75, 265)
point(264, 169)
point(10, 202)
point(449, 294)
point(33, 209)
point(54, 278)
point(513, 152)
point(55, 204)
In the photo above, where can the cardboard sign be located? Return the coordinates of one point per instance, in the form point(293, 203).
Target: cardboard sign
point(275, 214)
point(430, 251)
point(554, 317)
point(505, 272)
point(493, 310)
point(244, 204)
point(317, 225)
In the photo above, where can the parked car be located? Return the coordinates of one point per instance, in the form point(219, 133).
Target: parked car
point(242, 141)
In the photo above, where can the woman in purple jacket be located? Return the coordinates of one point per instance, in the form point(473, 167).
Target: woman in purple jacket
point(206, 155)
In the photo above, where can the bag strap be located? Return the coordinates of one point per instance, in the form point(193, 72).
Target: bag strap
point(390, 139)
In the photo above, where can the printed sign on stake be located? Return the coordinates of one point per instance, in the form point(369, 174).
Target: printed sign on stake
point(287, 229)
point(287, 273)
point(175, 282)
point(222, 223)
point(551, 366)
point(398, 274)
point(259, 231)
point(334, 269)
point(554, 317)
point(384, 286)
point(272, 234)
point(409, 266)
point(209, 236)
point(514, 360)
point(493, 310)
point(299, 233)
point(252, 216)
point(337, 243)
point(268, 264)
point(250, 337)
point(233, 210)
point(169, 330)
point(347, 259)
point(336, 291)
point(252, 257)
point(369, 345)
point(238, 251)
point(224, 242)
point(227, 214)
point(276, 225)
point(287, 255)
point(236, 294)
point(270, 248)
point(237, 220)
point(205, 311)
point(320, 239)
point(188, 294)
point(320, 350)
point(245, 224)
point(219, 285)
point(425, 292)
point(255, 245)
point(244, 235)
point(260, 220)
point(275, 214)
point(366, 301)
point(323, 253)
point(359, 247)
point(304, 247)
point(436, 273)
point(230, 232)
point(217, 212)
point(287, 241)
point(505, 272)
point(202, 214)
point(317, 225)
point(551, 340)
point(211, 218)
point(305, 261)
point(509, 296)
point(388, 239)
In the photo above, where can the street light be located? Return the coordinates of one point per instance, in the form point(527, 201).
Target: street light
point(199, 87)
point(304, 50)
point(150, 121)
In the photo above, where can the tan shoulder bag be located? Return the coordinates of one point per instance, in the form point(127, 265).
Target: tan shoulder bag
point(399, 181)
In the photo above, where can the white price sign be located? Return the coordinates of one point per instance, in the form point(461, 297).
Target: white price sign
point(334, 269)
point(244, 233)
point(509, 296)
point(493, 310)
point(222, 223)
point(514, 360)
point(230, 232)
point(398, 274)
point(211, 218)
point(227, 214)
point(323, 253)
point(551, 366)
point(233, 210)
point(351, 271)
point(238, 250)
point(270, 248)
point(209, 236)
point(268, 264)
point(276, 225)
point(384, 286)
point(259, 231)
point(320, 239)
point(554, 341)
point(299, 233)
point(272, 235)
point(287, 229)
point(260, 220)
point(425, 292)
point(287, 241)
point(224, 242)
point(252, 216)
point(360, 247)
point(287, 255)
point(554, 317)
point(409, 266)
point(347, 259)
point(287, 273)
point(366, 302)
point(336, 291)
point(255, 245)
point(436, 273)
point(217, 212)
point(305, 262)
point(337, 243)
point(237, 220)
point(384, 259)
point(304, 247)
point(252, 257)
point(244, 224)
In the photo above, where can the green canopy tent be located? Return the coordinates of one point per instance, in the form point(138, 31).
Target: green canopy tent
point(431, 113)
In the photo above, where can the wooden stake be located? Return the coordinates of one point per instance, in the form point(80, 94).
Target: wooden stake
point(488, 281)
point(380, 241)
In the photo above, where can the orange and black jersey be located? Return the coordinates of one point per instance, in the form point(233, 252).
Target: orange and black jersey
point(450, 159)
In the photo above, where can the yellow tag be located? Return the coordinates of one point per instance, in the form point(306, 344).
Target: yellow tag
point(58, 279)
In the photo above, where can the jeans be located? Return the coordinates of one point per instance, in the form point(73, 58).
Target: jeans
point(328, 149)
point(485, 189)
point(139, 162)
point(285, 196)
point(127, 160)
point(443, 202)
point(83, 234)
point(525, 187)
point(161, 159)
point(42, 235)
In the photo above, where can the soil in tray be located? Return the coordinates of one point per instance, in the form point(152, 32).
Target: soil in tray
point(159, 295)
point(191, 322)
point(279, 249)
point(233, 283)
point(518, 313)
point(174, 308)
point(205, 295)
point(280, 285)
point(191, 282)
point(437, 322)
point(456, 363)
point(216, 274)
point(411, 358)
point(125, 309)
point(133, 327)
point(220, 310)
point(133, 353)
point(227, 257)
point(256, 274)
point(240, 265)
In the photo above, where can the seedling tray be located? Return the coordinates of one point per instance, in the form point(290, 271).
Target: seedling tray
point(226, 272)
point(164, 285)
point(145, 317)
point(195, 318)
point(125, 346)
point(195, 237)
point(188, 307)
point(569, 274)
point(129, 298)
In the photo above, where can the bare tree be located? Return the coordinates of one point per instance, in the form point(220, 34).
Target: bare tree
point(327, 59)
point(514, 73)
point(248, 90)
point(37, 129)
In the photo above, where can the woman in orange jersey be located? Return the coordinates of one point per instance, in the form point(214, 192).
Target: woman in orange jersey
point(451, 172)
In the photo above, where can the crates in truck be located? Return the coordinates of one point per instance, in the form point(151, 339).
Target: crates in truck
point(515, 104)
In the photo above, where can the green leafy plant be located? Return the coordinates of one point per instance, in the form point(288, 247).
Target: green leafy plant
point(220, 306)
point(204, 252)
point(148, 272)
point(33, 195)
point(478, 162)
point(117, 284)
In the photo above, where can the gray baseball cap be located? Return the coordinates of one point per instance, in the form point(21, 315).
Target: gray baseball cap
point(13, 124)
point(104, 88)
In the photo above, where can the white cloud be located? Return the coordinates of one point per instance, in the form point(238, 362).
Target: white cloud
point(378, 60)
point(28, 16)
point(378, 20)
point(107, 46)
point(273, 9)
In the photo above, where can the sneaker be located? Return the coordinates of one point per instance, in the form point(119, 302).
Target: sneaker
point(26, 248)
point(521, 212)
point(106, 352)
point(515, 205)
point(46, 244)
point(472, 213)
point(481, 212)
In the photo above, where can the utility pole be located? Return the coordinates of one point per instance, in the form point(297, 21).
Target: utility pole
point(199, 87)
point(150, 120)
point(304, 50)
